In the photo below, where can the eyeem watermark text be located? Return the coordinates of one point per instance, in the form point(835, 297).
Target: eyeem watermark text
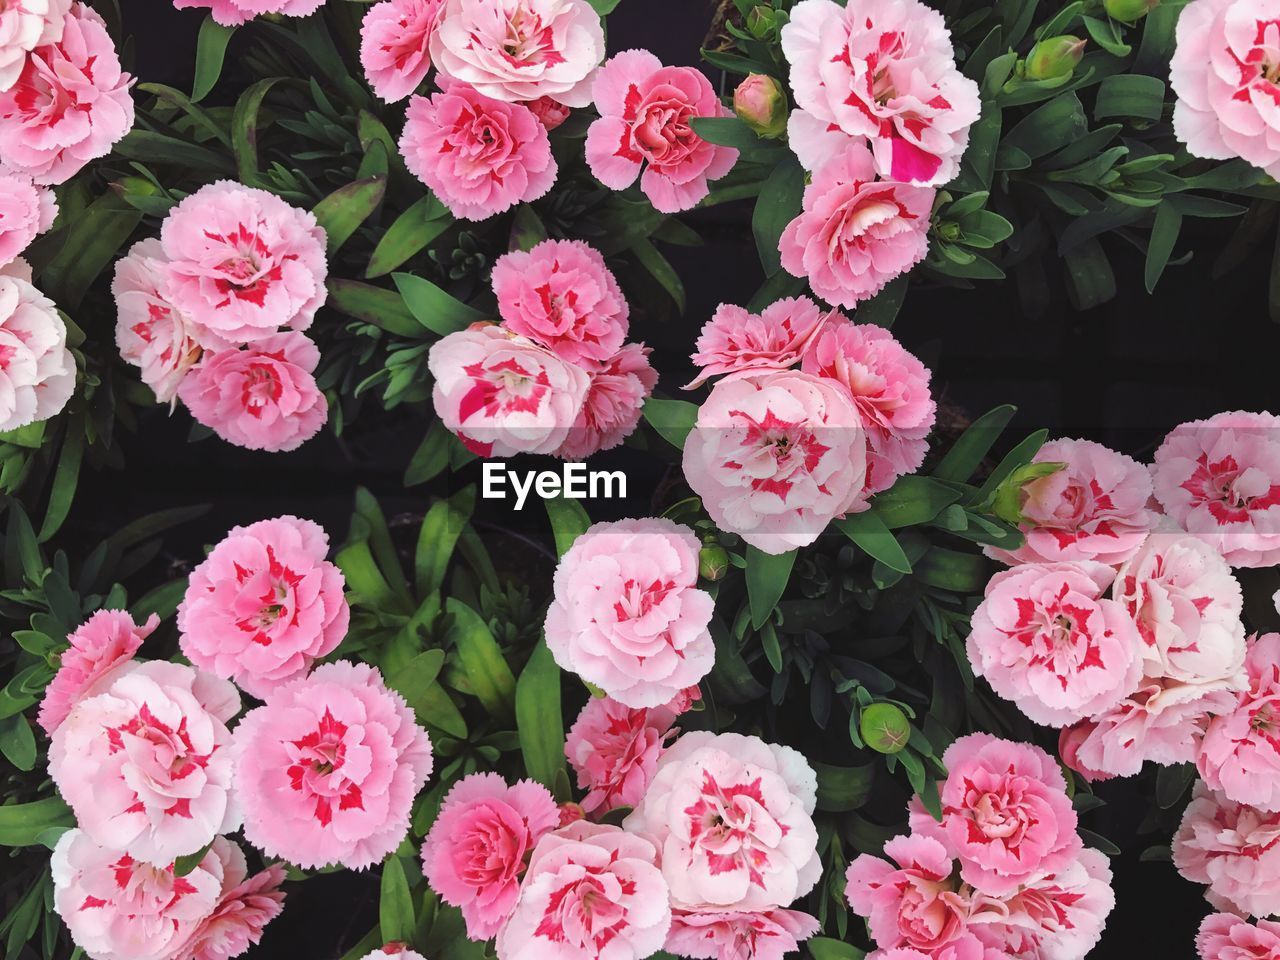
point(573, 482)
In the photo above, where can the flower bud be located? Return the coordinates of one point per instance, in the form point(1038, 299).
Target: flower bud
point(1129, 11)
point(713, 562)
point(1054, 57)
point(762, 105)
point(760, 21)
point(571, 812)
point(884, 728)
point(1008, 499)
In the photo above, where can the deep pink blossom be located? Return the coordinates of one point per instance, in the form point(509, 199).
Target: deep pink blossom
point(614, 751)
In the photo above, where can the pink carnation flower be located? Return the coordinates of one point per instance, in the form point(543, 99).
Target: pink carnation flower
point(588, 886)
point(328, 768)
point(615, 399)
point(915, 901)
point(1220, 480)
point(1045, 638)
point(1095, 508)
point(733, 819)
point(1070, 740)
point(1223, 936)
point(735, 341)
point(144, 762)
point(560, 294)
point(762, 935)
point(480, 156)
point(883, 71)
point(243, 263)
point(1240, 753)
point(118, 907)
point(476, 851)
point(502, 394)
point(246, 906)
point(777, 456)
point(69, 105)
point(99, 648)
point(1234, 849)
point(628, 615)
point(646, 111)
point(25, 25)
point(262, 396)
point(232, 13)
point(1224, 74)
point(393, 45)
point(1006, 815)
point(890, 389)
point(26, 210)
point(264, 605)
point(37, 371)
point(856, 233)
point(151, 333)
point(394, 951)
point(614, 751)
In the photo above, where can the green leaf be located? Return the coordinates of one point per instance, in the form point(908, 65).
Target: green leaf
point(539, 721)
point(147, 146)
point(779, 286)
point(966, 454)
point(244, 129)
point(17, 742)
point(375, 305)
point(22, 557)
point(824, 948)
point(1017, 457)
point(415, 679)
point(882, 309)
point(22, 823)
point(1130, 95)
point(396, 917)
point(1164, 234)
point(661, 270)
point(673, 419)
point(483, 665)
point(732, 132)
point(843, 788)
point(568, 522)
point(778, 204)
point(1106, 34)
point(433, 308)
point(437, 537)
point(767, 576)
point(93, 240)
point(1090, 279)
point(870, 534)
point(431, 458)
point(185, 864)
point(603, 7)
point(65, 479)
point(410, 233)
point(211, 50)
point(341, 212)
point(913, 500)
point(1049, 127)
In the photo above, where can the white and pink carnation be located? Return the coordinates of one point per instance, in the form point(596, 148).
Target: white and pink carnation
point(730, 935)
point(264, 605)
point(145, 762)
point(37, 370)
point(503, 394)
point(26, 210)
point(1046, 638)
point(1220, 480)
point(1224, 936)
point(394, 45)
point(246, 906)
point(916, 901)
point(883, 72)
point(25, 25)
point(628, 615)
point(614, 402)
point(645, 130)
point(233, 13)
point(1232, 848)
point(732, 817)
point(735, 341)
point(614, 750)
point(1240, 752)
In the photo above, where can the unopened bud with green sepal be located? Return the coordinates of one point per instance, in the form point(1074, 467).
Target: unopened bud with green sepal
point(761, 104)
point(1007, 501)
point(1054, 57)
point(1129, 11)
point(884, 728)
point(713, 562)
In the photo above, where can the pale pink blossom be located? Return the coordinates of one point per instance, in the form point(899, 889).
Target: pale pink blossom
point(25, 25)
point(26, 210)
point(856, 233)
point(517, 50)
point(916, 901)
point(1224, 936)
point(613, 404)
point(232, 13)
point(479, 156)
point(733, 819)
point(247, 905)
point(502, 394)
point(99, 648)
point(326, 771)
point(1094, 508)
point(1220, 480)
point(1240, 752)
point(1234, 849)
point(1045, 637)
point(394, 951)
point(646, 114)
point(242, 263)
point(736, 341)
point(777, 456)
point(882, 71)
point(69, 105)
point(890, 389)
point(590, 891)
point(1224, 71)
point(477, 849)
point(264, 605)
point(628, 615)
point(37, 371)
point(561, 295)
point(145, 762)
point(1006, 815)
point(152, 334)
point(394, 38)
point(614, 751)
point(758, 935)
point(119, 907)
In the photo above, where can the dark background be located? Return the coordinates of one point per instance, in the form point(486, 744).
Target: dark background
point(1122, 374)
